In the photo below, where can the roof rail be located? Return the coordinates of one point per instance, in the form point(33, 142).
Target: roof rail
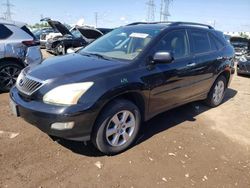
point(191, 23)
point(137, 23)
point(173, 24)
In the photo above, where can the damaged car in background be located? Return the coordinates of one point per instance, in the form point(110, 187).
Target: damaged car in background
point(243, 65)
point(18, 48)
point(241, 45)
point(78, 36)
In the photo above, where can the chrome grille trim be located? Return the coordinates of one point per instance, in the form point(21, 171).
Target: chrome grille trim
point(27, 84)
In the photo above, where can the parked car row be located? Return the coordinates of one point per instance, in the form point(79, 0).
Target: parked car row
point(18, 48)
point(61, 38)
point(241, 45)
point(242, 54)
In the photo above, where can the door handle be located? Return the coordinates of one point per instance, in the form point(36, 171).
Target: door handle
point(191, 64)
point(219, 58)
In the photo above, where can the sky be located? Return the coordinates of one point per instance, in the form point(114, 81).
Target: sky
point(226, 15)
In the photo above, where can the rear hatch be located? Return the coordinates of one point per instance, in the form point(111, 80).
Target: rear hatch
point(90, 34)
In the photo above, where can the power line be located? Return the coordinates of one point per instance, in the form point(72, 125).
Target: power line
point(8, 13)
point(164, 12)
point(151, 10)
point(96, 18)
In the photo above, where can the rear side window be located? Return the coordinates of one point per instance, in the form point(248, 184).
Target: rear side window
point(201, 43)
point(4, 32)
point(24, 28)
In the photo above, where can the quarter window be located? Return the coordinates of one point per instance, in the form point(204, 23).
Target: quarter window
point(201, 42)
point(175, 42)
point(4, 32)
point(218, 43)
point(213, 43)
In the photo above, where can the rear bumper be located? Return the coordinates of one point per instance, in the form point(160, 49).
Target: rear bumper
point(33, 55)
point(44, 115)
point(42, 44)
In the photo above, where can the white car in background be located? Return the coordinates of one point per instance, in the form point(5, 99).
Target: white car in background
point(47, 36)
point(18, 49)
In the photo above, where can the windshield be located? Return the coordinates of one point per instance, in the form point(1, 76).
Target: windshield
point(123, 43)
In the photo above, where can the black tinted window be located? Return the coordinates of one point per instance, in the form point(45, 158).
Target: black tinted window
point(201, 42)
point(175, 42)
point(213, 43)
point(24, 28)
point(4, 32)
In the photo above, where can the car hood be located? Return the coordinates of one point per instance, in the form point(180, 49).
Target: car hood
point(59, 27)
point(72, 67)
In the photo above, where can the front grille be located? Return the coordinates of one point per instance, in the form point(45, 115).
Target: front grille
point(28, 85)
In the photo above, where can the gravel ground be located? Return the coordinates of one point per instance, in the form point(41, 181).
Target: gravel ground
point(191, 146)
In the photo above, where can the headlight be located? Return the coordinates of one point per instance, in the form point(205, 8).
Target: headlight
point(67, 94)
point(243, 59)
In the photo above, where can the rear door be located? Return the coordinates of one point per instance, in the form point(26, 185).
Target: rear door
point(206, 58)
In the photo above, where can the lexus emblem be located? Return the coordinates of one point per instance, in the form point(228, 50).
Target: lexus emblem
point(21, 83)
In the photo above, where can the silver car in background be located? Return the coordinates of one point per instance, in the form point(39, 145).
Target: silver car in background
point(18, 49)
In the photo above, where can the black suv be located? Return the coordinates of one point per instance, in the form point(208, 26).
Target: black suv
point(103, 92)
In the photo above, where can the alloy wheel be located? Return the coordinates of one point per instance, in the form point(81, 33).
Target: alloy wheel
point(8, 76)
point(218, 92)
point(120, 128)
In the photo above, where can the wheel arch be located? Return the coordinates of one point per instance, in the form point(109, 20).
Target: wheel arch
point(226, 74)
point(132, 96)
point(12, 59)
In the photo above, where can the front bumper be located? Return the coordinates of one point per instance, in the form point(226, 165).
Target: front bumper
point(44, 115)
point(49, 48)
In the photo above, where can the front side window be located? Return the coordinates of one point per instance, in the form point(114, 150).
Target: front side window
point(123, 43)
point(201, 42)
point(175, 42)
point(4, 32)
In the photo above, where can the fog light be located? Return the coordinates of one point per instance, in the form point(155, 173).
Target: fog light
point(62, 125)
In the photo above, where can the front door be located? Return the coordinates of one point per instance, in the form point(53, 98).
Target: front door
point(170, 84)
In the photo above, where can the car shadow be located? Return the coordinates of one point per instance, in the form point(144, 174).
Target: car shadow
point(244, 75)
point(154, 126)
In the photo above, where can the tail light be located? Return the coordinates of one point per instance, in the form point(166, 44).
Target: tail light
point(29, 43)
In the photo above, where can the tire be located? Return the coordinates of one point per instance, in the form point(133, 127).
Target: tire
point(112, 138)
point(60, 49)
point(9, 72)
point(217, 92)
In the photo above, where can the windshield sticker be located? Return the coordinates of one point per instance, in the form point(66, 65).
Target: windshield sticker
point(139, 35)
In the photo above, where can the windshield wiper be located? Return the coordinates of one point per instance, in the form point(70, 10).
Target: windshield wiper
point(100, 56)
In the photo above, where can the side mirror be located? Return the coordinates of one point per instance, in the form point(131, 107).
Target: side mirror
point(163, 57)
point(70, 51)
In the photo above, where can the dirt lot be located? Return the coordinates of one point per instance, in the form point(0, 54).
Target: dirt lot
point(191, 146)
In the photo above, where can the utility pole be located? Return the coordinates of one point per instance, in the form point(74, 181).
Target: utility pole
point(8, 12)
point(164, 12)
point(151, 10)
point(96, 19)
